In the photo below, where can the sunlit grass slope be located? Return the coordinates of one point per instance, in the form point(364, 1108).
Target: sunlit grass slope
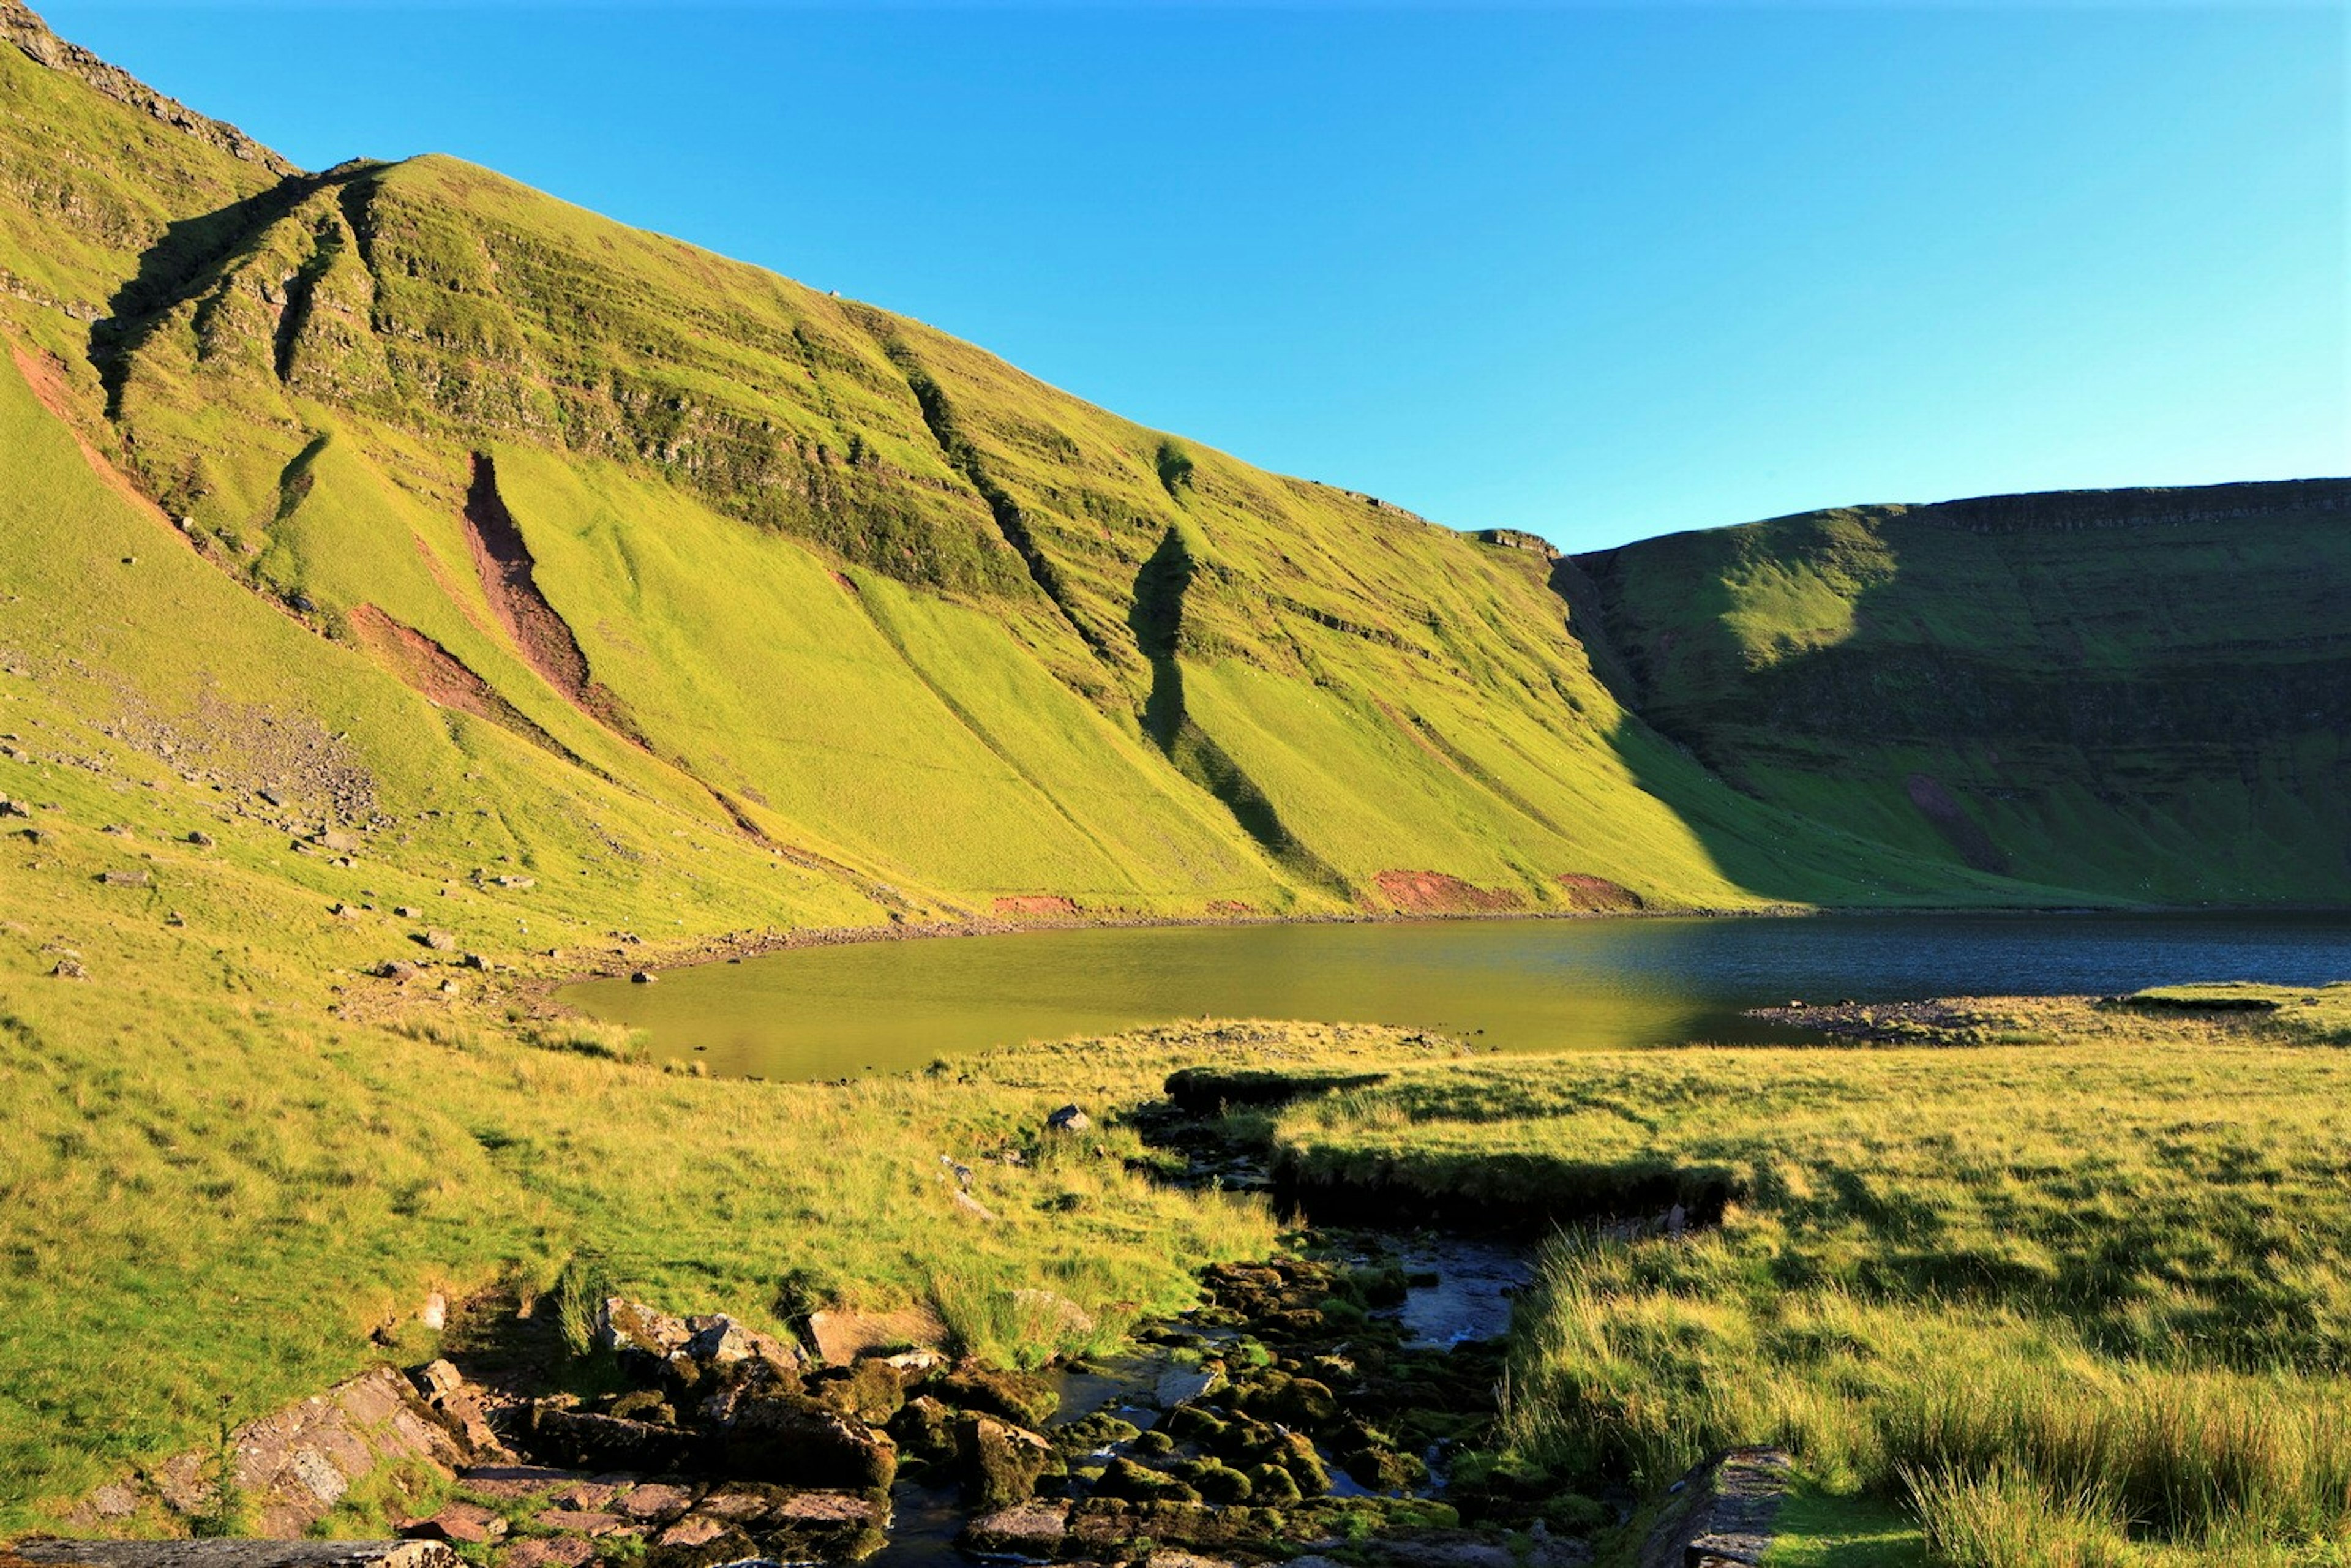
point(824, 576)
point(2146, 693)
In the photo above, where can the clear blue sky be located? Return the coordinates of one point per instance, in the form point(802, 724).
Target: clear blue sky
point(1596, 273)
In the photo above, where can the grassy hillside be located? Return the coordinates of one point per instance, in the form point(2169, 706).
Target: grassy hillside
point(817, 574)
point(2143, 693)
point(399, 567)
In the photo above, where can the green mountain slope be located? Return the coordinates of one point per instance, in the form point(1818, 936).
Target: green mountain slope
point(823, 578)
point(2141, 692)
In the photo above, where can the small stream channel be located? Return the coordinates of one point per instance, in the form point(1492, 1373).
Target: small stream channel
point(1458, 1291)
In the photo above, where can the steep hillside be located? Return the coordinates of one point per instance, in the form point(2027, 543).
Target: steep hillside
point(2142, 693)
point(820, 576)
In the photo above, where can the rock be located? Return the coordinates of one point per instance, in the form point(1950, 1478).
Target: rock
point(338, 840)
point(562, 1552)
point(926, 1428)
point(1273, 1485)
point(271, 797)
point(792, 1439)
point(514, 882)
point(842, 1336)
point(1069, 1119)
point(1182, 1385)
point(1131, 1483)
point(718, 1341)
point(125, 878)
point(1292, 1401)
point(13, 808)
point(439, 941)
point(474, 961)
point(70, 969)
point(434, 1314)
point(607, 1442)
point(1003, 1463)
point(641, 977)
point(594, 1524)
point(1023, 1398)
point(655, 1502)
point(437, 1380)
point(624, 1325)
point(512, 1483)
point(1034, 1529)
point(699, 1531)
point(870, 1389)
point(395, 969)
point(460, 1524)
point(969, 1205)
point(408, 912)
point(589, 1497)
point(1056, 1314)
point(724, 1545)
point(201, 838)
point(446, 1393)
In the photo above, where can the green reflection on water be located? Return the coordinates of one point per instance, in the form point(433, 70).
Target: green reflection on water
point(829, 1012)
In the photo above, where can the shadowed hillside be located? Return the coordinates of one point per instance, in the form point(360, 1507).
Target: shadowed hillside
point(2144, 692)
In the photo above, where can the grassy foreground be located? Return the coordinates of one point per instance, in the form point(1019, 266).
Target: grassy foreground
point(2088, 1300)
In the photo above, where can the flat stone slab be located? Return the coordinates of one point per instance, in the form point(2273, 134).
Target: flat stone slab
point(231, 1553)
point(1722, 1514)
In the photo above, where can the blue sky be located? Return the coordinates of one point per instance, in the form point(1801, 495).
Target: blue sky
point(1593, 272)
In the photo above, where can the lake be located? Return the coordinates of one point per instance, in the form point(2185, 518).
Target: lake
point(1510, 984)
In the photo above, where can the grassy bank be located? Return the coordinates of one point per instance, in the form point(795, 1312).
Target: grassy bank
point(2096, 1291)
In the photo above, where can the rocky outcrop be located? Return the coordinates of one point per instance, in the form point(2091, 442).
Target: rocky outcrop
point(21, 26)
point(289, 1469)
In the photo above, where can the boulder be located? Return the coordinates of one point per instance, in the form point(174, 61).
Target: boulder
point(1023, 1398)
point(926, 1428)
point(547, 1552)
point(1002, 1463)
point(446, 1393)
point(396, 969)
point(460, 1524)
point(719, 1343)
point(1061, 1314)
point(1034, 1529)
point(439, 941)
point(870, 1390)
point(557, 1552)
point(622, 1325)
point(1069, 1119)
point(842, 1336)
point(793, 1440)
point(607, 1442)
point(655, 1502)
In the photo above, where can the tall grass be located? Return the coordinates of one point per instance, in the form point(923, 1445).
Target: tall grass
point(2105, 1282)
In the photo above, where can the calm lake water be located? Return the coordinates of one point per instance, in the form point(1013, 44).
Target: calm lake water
point(1512, 984)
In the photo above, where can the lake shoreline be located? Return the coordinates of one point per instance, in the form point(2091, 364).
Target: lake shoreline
point(734, 947)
